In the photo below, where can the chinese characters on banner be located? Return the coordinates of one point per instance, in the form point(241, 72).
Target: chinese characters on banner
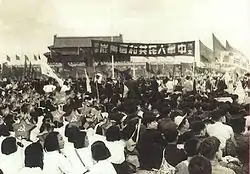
point(151, 50)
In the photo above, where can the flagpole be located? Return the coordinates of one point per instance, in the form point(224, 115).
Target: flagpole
point(113, 62)
point(134, 71)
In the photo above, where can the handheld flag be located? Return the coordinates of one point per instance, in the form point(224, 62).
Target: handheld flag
point(88, 87)
point(47, 70)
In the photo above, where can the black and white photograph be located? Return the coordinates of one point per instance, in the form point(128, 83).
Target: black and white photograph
point(124, 86)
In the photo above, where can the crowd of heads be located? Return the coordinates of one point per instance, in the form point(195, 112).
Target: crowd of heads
point(167, 118)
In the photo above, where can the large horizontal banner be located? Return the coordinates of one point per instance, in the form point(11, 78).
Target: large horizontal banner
point(141, 49)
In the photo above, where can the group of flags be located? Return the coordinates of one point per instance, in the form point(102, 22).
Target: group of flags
point(18, 58)
point(222, 54)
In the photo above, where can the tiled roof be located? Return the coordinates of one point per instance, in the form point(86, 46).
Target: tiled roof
point(60, 42)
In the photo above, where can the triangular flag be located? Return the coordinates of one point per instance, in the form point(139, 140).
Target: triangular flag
point(35, 58)
point(206, 53)
point(218, 48)
point(17, 57)
point(26, 58)
point(8, 58)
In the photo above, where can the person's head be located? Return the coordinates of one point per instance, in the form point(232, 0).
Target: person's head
point(70, 132)
point(53, 141)
point(199, 165)
point(9, 146)
point(238, 125)
point(188, 78)
point(24, 109)
point(191, 147)
point(210, 148)
point(219, 116)
point(198, 128)
point(150, 120)
point(99, 151)
point(113, 133)
point(81, 140)
point(4, 131)
point(171, 135)
point(34, 155)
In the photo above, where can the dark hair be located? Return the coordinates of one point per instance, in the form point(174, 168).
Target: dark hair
point(199, 164)
point(191, 146)
point(34, 155)
point(218, 114)
point(113, 133)
point(70, 132)
point(238, 125)
point(197, 127)
point(150, 150)
point(171, 135)
point(79, 141)
point(51, 142)
point(24, 108)
point(9, 146)
point(99, 151)
point(209, 147)
point(4, 131)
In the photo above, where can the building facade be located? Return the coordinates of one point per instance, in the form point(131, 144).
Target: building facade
point(79, 50)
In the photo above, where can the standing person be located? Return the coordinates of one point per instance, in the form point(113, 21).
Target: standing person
point(54, 161)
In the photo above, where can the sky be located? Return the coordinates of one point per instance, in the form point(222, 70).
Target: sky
point(28, 26)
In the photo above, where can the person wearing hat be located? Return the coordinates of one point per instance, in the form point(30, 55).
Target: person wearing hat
point(182, 124)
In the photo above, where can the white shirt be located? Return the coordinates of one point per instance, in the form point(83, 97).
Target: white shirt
point(86, 158)
point(49, 88)
point(33, 170)
point(11, 164)
point(65, 88)
point(56, 163)
point(36, 130)
point(221, 131)
point(116, 149)
point(170, 86)
point(102, 167)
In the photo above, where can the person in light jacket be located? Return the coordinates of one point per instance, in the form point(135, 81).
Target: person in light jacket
point(116, 147)
point(33, 159)
point(11, 160)
point(54, 161)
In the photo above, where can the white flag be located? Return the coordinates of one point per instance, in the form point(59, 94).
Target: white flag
point(47, 70)
point(88, 87)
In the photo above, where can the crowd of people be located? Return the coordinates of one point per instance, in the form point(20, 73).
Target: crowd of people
point(144, 126)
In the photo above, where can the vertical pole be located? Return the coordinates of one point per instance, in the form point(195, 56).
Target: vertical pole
point(174, 74)
point(113, 63)
point(134, 71)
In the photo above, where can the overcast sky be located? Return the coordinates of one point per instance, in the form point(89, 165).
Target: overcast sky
point(28, 26)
